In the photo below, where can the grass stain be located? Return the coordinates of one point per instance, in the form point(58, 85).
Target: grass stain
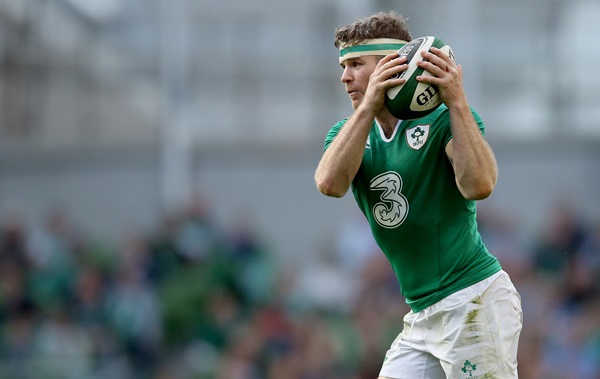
point(477, 300)
point(471, 316)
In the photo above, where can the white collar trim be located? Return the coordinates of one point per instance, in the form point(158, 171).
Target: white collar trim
point(382, 133)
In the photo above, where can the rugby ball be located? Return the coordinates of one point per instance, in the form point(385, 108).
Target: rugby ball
point(414, 99)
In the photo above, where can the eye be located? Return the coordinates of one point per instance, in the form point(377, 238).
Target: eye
point(352, 63)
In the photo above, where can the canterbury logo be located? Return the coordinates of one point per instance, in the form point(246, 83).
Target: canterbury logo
point(393, 208)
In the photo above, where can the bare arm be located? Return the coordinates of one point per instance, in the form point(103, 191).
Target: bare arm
point(341, 161)
point(474, 163)
point(471, 156)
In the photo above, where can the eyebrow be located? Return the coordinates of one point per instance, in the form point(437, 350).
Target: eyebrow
point(349, 60)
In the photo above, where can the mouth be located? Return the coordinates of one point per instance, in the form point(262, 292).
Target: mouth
point(352, 93)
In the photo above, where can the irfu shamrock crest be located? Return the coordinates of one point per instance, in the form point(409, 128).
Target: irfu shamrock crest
point(418, 133)
point(417, 136)
point(469, 367)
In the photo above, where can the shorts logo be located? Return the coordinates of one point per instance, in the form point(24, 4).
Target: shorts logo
point(417, 136)
point(469, 367)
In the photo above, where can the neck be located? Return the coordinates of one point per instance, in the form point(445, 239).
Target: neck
point(387, 122)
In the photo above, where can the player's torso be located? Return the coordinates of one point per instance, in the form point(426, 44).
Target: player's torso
point(406, 188)
point(407, 179)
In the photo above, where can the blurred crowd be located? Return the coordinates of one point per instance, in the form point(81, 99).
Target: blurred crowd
point(194, 299)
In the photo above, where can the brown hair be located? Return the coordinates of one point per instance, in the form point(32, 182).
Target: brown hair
point(379, 25)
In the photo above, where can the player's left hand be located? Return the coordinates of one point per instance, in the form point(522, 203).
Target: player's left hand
point(446, 75)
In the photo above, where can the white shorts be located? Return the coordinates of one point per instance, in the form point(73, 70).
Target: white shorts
point(472, 333)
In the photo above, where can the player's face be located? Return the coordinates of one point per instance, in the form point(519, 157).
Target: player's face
point(356, 76)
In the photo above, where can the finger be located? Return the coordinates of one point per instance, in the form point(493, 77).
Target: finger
point(435, 60)
point(392, 68)
point(395, 71)
point(439, 53)
point(393, 62)
point(388, 58)
point(429, 79)
point(433, 69)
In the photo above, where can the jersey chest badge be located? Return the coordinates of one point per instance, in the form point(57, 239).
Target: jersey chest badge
point(417, 136)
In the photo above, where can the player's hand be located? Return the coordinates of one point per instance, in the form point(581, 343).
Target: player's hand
point(385, 76)
point(447, 76)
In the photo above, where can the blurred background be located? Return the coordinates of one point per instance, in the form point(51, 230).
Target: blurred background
point(158, 215)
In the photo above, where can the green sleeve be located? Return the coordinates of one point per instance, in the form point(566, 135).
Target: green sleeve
point(333, 132)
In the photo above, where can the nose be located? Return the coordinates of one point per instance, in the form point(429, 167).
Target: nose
point(346, 77)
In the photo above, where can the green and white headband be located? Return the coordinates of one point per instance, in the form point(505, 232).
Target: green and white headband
point(377, 46)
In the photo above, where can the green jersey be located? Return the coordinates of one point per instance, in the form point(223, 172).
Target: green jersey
point(406, 188)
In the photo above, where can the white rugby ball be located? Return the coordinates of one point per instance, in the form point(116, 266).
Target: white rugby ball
point(414, 99)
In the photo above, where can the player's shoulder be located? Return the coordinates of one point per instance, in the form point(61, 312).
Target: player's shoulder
point(337, 126)
point(333, 131)
point(341, 122)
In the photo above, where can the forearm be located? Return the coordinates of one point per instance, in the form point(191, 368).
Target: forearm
point(343, 157)
point(473, 159)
